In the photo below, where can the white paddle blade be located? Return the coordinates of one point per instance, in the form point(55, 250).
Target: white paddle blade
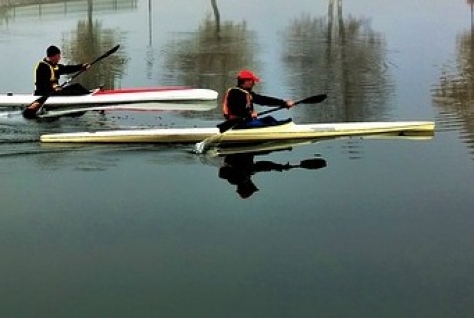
point(200, 148)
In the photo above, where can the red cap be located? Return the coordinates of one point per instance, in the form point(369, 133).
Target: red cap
point(247, 75)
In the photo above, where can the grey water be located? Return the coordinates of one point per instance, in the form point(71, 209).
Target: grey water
point(383, 230)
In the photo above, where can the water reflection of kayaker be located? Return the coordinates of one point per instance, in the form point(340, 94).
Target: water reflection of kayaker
point(238, 170)
point(238, 102)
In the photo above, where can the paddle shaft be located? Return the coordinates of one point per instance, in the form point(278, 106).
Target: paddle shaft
point(103, 56)
point(309, 100)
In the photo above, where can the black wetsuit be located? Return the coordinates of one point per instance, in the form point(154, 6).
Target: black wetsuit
point(47, 78)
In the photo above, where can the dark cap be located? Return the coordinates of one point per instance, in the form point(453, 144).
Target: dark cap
point(52, 50)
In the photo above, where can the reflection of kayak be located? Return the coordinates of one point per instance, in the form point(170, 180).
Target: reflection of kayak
point(289, 131)
point(150, 106)
point(288, 145)
point(120, 96)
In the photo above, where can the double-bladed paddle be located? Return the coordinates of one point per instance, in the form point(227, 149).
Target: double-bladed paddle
point(225, 126)
point(42, 99)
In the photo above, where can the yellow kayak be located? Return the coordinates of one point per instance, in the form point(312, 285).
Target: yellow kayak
point(288, 131)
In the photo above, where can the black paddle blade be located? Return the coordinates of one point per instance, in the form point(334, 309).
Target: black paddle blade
point(34, 106)
point(227, 125)
point(313, 99)
point(29, 114)
point(113, 50)
point(106, 54)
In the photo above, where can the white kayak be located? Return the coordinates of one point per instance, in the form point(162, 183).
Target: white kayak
point(120, 96)
point(289, 131)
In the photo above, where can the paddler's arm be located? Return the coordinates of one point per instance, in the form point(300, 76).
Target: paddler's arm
point(67, 69)
point(271, 101)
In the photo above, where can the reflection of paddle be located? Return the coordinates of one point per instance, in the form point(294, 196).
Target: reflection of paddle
point(37, 106)
point(266, 166)
point(314, 163)
point(225, 126)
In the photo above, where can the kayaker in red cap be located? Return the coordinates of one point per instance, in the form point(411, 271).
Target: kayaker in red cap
point(238, 102)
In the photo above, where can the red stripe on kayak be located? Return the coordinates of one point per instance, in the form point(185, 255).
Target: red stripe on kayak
point(142, 90)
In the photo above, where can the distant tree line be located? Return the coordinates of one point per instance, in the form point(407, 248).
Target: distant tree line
point(15, 3)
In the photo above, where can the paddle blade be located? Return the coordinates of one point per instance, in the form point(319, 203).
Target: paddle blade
point(203, 146)
point(106, 54)
point(113, 50)
point(200, 148)
point(31, 109)
point(314, 163)
point(29, 114)
point(312, 99)
point(227, 125)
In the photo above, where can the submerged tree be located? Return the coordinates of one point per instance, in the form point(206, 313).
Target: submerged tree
point(212, 56)
point(205, 56)
point(4, 15)
point(341, 55)
point(89, 41)
point(454, 94)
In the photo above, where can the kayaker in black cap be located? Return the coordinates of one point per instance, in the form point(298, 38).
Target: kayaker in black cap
point(48, 72)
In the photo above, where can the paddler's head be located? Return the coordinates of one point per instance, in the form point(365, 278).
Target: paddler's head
point(246, 188)
point(53, 54)
point(246, 79)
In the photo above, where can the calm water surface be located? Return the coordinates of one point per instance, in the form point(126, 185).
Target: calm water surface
point(383, 230)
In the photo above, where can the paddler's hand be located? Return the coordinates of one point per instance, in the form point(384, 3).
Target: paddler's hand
point(289, 104)
point(254, 115)
point(85, 66)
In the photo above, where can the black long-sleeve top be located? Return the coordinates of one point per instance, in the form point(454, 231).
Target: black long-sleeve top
point(237, 102)
point(47, 75)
